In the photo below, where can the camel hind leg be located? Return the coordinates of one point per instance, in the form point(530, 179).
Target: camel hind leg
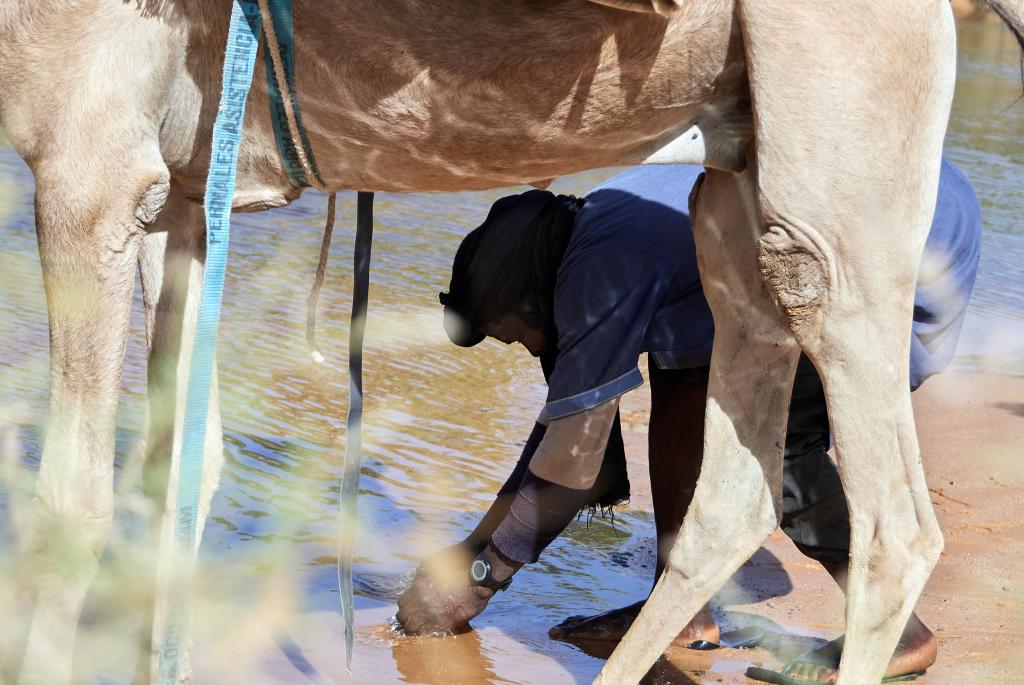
point(737, 501)
point(848, 150)
point(848, 142)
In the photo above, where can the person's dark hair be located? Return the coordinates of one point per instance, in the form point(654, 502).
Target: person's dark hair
point(508, 264)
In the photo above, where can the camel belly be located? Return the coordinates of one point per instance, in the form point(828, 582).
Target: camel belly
point(516, 102)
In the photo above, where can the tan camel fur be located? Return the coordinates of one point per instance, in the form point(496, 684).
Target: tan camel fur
point(833, 111)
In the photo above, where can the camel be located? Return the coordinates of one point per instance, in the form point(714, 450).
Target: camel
point(821, 124)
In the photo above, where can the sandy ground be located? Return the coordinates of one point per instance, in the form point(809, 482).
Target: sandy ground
point(971, 429)
point(972, 435)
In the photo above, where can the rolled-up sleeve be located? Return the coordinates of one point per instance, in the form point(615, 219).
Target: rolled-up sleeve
point(604, 303)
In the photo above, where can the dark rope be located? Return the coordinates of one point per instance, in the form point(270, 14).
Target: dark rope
point(353, 437)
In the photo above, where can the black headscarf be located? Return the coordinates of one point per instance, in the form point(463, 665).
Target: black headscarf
point(509, 264)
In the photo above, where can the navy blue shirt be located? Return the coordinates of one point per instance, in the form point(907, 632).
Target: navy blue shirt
point(629, 284)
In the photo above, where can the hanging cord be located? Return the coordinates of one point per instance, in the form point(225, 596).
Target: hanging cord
point(360, 295)
point(353, 423)
point(287, 99)
point(289, 111)
point(318, 282)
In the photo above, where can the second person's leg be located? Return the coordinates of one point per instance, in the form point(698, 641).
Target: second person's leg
point(675, 442)
point(816, 518)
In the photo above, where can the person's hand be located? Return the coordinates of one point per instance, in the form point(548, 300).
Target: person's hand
point(441, 597)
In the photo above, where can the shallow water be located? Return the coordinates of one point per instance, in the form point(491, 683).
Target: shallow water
point(443, 425)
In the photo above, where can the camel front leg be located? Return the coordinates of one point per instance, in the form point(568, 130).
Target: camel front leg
point(737, 502)
point(171, 266)
point(89, 233)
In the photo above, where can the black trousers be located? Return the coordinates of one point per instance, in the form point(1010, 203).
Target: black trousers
point(814, 512)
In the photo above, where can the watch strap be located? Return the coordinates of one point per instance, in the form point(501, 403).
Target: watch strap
point(480, 573)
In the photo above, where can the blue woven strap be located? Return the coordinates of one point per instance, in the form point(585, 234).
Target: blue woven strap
point(243, 38)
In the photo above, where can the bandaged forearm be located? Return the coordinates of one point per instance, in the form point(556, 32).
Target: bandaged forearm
point(557, 483)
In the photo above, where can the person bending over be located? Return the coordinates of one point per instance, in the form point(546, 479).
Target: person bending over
point(588, 285)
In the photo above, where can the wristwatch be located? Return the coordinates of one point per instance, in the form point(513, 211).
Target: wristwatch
point(480, 574)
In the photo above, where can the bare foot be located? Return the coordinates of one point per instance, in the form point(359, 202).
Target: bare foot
point(612, 625)
point(915, 653)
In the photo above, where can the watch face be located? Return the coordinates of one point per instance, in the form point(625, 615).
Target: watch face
point(478, 571)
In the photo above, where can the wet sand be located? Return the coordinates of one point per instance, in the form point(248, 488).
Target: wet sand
point(971, 427)
point(971, 430)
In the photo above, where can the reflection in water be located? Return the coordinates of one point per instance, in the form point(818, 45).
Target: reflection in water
point(444, 661)
point(444, 425)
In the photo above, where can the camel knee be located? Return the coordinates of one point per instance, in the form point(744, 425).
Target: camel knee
point(796, 270)
point(114, 200)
